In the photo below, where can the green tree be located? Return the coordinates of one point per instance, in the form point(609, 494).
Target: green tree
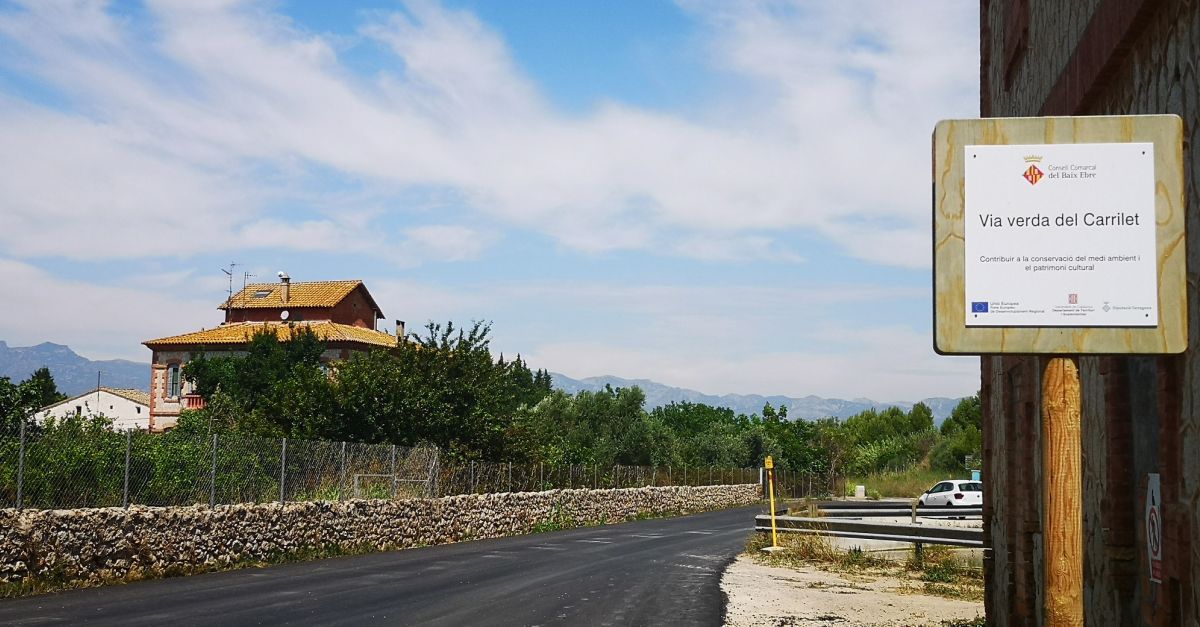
point(688, 419)
point(962, 437)
point(40, 390)
point(968, 413)
point(18, 402)
point(12, 410)
point(836, 442)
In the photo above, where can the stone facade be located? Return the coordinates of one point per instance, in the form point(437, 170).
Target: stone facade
point(93, 546)
point(1140, 414)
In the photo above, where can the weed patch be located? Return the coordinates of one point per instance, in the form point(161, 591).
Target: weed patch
point(557, 521)
point(909, 483)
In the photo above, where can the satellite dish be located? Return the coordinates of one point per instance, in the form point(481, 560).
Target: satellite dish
point(283, 315)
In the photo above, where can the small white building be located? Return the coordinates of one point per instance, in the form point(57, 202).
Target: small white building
point(128, 409)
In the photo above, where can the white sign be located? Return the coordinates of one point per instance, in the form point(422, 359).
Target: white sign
point(1154, 536)
point(1060, 235)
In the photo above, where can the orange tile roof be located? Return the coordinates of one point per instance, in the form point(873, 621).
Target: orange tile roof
point(137, 396)
point(241, 332)
point(300, 294)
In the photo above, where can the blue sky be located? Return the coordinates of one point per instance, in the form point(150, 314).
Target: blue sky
point(726, 196)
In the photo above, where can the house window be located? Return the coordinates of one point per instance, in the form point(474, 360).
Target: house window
point(262, 293)
point(173, 380)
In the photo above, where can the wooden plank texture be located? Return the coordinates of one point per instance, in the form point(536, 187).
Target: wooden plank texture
point(1062, 459)
point(952, 336)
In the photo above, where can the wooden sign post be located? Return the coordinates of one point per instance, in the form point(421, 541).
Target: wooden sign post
point(1062, 491)
point(1060, 237)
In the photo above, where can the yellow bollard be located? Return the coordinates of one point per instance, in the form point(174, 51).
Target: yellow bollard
point(770, 465)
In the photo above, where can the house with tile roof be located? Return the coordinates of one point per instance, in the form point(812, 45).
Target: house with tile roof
point(343, 314)
point(128, 409)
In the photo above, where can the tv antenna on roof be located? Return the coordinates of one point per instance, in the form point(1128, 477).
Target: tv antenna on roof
point(229, 294)
point(245, 281)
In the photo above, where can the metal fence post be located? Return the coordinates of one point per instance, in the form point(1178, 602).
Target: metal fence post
point(541, 477)
point(125, 488)
point(282, 467)
point(212, 476)
point(510, 485)
point(342, 475)
point(393, 471)
point(471, 477)
point(21, 467)
point(431, 490)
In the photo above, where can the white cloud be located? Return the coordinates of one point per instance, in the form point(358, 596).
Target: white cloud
point(79, 189)
point(223, 126)
point(230, 105)
point(444, 242)
point(98, 321)
point(903, 369)
point(795, 340)
point(417, 302)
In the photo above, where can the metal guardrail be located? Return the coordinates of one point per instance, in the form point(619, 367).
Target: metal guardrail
point(896, 532)
point(896, 512)
point(883, 509)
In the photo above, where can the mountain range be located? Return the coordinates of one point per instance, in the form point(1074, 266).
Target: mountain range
point(76, 374)
point(73, 373)
point(808, 407)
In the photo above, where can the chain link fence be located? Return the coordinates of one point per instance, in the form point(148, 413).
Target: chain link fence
point(101, 468)
point(804, 484)
point(96, 467)
point(483, 477)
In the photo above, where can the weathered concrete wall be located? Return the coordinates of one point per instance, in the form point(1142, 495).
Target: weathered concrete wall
point(1140, 414)
point(91, 546)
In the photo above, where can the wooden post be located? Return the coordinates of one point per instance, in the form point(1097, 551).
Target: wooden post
point(770, 466)
point(1062, 494)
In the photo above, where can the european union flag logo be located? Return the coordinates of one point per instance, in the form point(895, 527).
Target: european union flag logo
point(979, 307)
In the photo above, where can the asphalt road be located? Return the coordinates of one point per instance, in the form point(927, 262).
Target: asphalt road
point(650, 572)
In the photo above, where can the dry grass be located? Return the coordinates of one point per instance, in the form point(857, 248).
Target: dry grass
point(946, 573)
point(940, 571)
point(909, 483)
point(813, 549)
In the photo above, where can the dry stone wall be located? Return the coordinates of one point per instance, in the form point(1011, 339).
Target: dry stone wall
point(94, 546)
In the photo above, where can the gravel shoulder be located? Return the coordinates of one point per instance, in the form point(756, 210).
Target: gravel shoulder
point(803, 596)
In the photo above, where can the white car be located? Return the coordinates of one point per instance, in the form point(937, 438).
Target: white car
point(953, 493)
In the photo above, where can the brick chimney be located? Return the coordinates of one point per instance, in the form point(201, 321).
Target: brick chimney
point(287, 285)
